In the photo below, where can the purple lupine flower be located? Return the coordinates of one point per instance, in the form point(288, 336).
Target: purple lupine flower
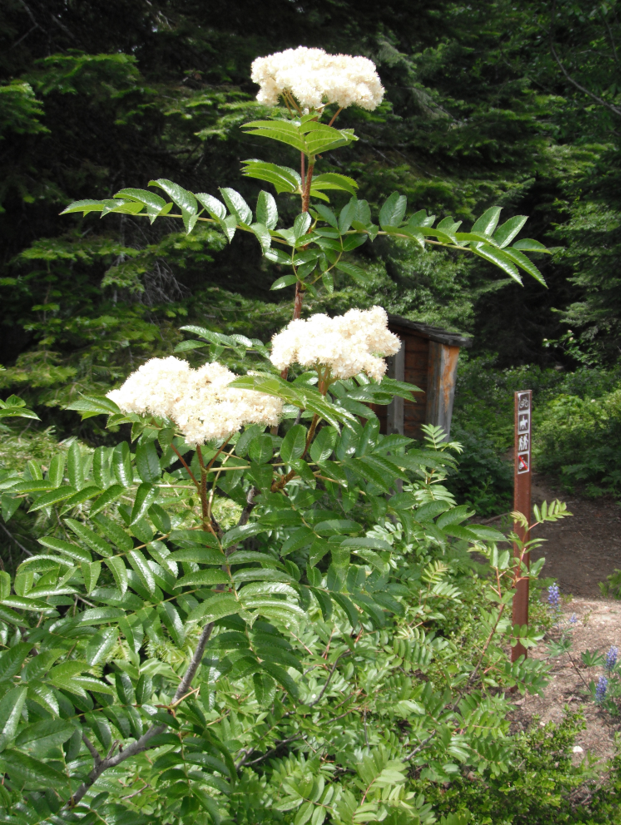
point(554, 597)
point(601, 688)
point(573, 619)
point(611, 658)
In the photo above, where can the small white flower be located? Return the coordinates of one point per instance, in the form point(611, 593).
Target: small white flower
point(315, 78)
point(348, 344)
point(154, 388)
point(199, 401)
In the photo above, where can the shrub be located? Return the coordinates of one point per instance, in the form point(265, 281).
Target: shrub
point(542, 785)
point(237, 615)
point(578, 439)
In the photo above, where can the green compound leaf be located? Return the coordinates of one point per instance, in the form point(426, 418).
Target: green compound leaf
point(284, 179)
point(393, 210)
point(31, 772)
point(110, 495)
point(332, 180)
point(11, 660)
point(354, 271)
point(500, 258)
point(216, 208)
point(267, 210)
point(322, 138)
point(529, 245)
point(148, 462)
point(204, 578)
point(217, 607)
point(89, 537)
point(507, 232)
point(90, 572)
point(43, 735)
point(100, 646)
point(145, 496)
point(263, 236)
point(237, 205)
point(279, 130)
point(11, 706)
point(488, 221)
point(525, 264)
point(54, 497)
point(142, 569)
point(185, 201)
point(91, 405)
point(155, 205)
point(66, 547)
point(84, 206)
point(122, 464)
point(294, 443)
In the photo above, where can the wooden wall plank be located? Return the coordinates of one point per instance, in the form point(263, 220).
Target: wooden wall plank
point(431, 366)
point(441, 384)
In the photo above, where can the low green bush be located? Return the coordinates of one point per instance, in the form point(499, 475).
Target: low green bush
point(576, 430)
point(542, 786)
point(578, 439)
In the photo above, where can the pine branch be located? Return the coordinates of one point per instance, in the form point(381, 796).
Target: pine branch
point(599, 100)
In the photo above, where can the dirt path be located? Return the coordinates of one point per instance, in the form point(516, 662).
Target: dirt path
point(598, 626)
point(580, 552)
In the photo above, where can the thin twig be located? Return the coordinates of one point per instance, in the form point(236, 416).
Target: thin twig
point(93, 750)
point(211, 463)
point(421, 746)
point(493, 518)
point(136, 793)
point(273, 750)
point(203, 489)
point(185, 464)
point(577, 669)
point(12, 537)
point(325, 687)
point(245, 514)
point(336, 114)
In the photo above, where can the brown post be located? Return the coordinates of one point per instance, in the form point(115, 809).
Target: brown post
point(521, 502)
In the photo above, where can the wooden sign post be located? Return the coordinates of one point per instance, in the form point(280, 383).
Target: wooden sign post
point(522, 479)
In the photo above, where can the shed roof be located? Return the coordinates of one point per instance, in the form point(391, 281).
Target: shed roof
point(442, 336)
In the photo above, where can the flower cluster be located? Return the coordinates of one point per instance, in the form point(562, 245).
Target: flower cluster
point(199, 401)
point(315, 78)
point(601, 688)
point(554, 597)
point(611, 658)
point(348, 344)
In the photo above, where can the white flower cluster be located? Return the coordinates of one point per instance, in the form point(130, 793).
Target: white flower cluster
point(199, 401)
point(315, 78)
point(348, 344)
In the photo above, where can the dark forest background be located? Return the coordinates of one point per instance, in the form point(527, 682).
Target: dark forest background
point(496, 103)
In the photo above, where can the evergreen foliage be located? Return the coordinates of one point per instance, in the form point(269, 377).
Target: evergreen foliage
point(96, 99)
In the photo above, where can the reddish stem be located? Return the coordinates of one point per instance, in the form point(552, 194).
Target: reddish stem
point(336, 114)
point(185, 464)
point(302, 172)
point(307, 188)
point(203, 491)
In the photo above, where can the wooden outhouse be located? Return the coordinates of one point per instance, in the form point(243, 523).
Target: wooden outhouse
point(428, 359)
